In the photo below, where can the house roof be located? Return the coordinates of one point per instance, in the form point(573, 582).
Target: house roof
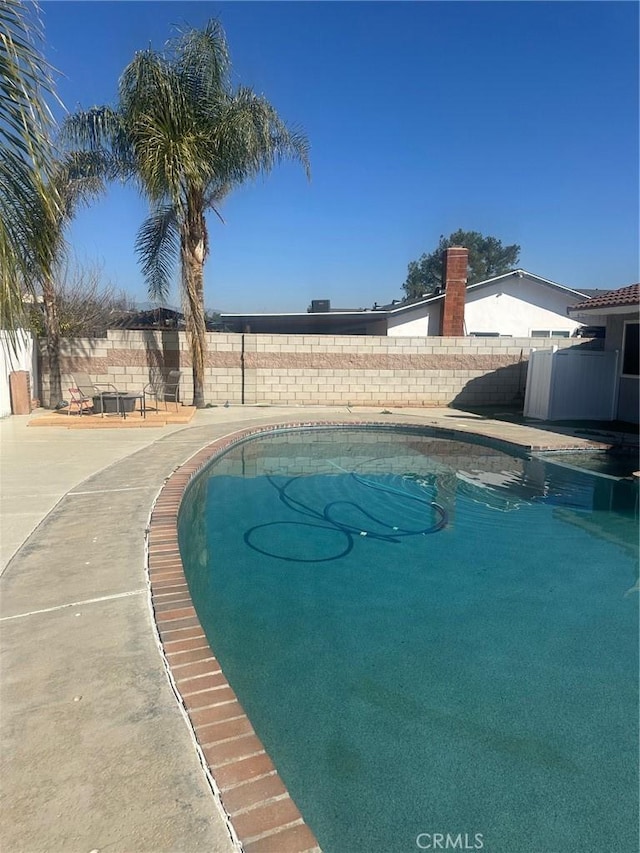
point(361, 321)
point(592, 292)
point(621, 298)
point(318, 323)
point(519, 273)
point(158, 317)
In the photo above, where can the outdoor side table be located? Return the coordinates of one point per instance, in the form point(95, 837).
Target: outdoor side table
point(122, 404)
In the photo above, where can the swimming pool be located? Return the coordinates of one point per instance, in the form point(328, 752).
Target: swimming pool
point(429, 636)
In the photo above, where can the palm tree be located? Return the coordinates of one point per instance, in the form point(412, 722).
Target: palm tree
point(187, 138)
point(28, 198)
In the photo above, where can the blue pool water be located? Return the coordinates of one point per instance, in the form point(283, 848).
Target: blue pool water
point(429, 636)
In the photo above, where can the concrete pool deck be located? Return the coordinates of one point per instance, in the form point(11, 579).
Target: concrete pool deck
point(96, 752)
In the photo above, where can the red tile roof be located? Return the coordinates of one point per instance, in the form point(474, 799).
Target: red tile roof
point(613, 299)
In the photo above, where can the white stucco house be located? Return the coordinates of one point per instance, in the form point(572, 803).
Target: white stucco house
point(516, 304)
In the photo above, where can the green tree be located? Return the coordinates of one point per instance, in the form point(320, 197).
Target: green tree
point(28, 199)
point(487, 258)
point(187, 138)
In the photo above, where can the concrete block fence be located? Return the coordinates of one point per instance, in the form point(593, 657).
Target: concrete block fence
point(313, 369)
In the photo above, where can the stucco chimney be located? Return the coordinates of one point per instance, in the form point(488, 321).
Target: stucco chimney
point(455, 283)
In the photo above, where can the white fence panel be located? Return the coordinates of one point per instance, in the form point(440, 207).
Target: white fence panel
point(584, 385)
point(572, 384)
point(538, 391)
point(16, 354)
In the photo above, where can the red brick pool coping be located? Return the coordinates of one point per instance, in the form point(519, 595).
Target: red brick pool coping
point(261, 815)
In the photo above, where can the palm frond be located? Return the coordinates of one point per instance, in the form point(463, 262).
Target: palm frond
point(99, 129)
point(28, 203)
point(26, 80)
point(216, 192)
point(90, 129)
point(159, 120)
point(157, 245)
point(250, 138)
point(202, 61)
point(80, 177)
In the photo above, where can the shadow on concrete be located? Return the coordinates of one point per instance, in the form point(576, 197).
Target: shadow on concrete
point(621, 434)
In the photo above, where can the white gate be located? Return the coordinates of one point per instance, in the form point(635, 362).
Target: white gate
point(572, 384)
point(17, 352)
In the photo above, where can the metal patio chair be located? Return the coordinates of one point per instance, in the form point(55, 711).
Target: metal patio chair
point(86, 391)
point(164, 389)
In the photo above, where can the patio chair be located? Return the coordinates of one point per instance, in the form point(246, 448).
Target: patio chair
point(164, 389)
point(78, 402)
point(86, 391)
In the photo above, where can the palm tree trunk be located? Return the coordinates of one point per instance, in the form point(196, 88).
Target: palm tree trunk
point(192, 256)
point(52, 330)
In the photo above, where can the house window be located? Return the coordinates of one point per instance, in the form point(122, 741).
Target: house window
point(485, 334)
point(549, 333)
point(630, 350)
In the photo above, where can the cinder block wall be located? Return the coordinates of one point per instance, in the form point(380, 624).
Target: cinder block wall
point(342, 370)
point(131, 359)
point(313, 369)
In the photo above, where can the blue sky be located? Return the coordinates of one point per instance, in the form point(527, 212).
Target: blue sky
point(516, 119)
